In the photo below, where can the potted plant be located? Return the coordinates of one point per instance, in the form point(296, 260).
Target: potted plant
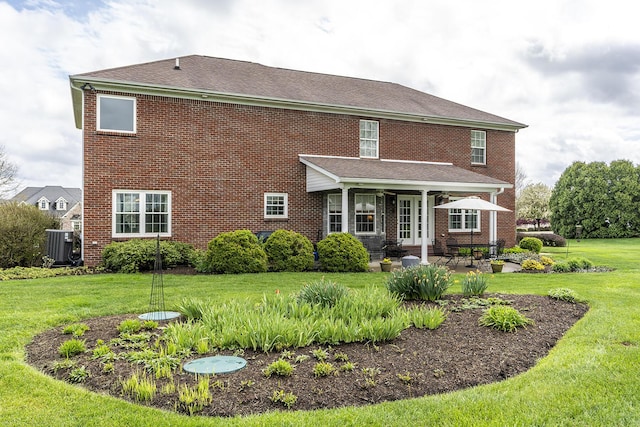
point(385, 264)
point(496, 265)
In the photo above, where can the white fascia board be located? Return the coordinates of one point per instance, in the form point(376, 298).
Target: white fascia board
point(243, 99)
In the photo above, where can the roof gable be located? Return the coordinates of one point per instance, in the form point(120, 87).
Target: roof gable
point(247, 82)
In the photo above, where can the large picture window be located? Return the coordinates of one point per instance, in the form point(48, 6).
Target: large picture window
point(478, 147)
point(116, 114)
point(369, 139)
point(141, 213)
point(276, 205)
point(464, 220)
point(365, 211)
point(334, 209)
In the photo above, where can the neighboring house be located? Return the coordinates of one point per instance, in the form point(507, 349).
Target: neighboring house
point(60, 202)
point(186, 149)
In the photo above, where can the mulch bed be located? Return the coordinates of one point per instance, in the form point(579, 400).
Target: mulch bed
point(457, 355)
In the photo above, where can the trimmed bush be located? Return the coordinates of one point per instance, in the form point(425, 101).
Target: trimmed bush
point(532, 244)
point(548, 239)
point(140, 255)
point(289, 251)
point(23, 235)
point(342, 252)
point(236, 252)
point(420, 282)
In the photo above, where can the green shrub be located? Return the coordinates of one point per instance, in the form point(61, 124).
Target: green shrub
point(140, 255)
point(236, 252)
point(72, 347)
point(474, 284)
point(420, 282)
point(504, 318)
point(561, 267)
point(322, 292)
point(514, 250)
point(579, 263)
point(532, 244)
point(548, 239)
point(289, 251)
point(342, 252)
point(532, 265)
point(23, 235)
point(280, 367)
point(564, 294)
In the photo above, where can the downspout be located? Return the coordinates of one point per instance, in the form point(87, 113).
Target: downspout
point(493, 216)
point(424, 244)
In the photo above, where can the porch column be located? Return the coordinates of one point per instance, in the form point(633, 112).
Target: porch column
point(424, 212)
point(345, 209)
point(493, 220)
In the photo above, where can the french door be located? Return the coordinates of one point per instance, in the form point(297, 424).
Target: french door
point(410, 220)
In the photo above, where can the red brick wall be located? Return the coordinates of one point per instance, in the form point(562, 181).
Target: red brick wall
point(218, 160)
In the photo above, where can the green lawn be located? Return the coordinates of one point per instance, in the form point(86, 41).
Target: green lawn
point(591, 377)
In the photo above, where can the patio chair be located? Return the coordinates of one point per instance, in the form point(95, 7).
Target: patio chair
point(452, 252)
point(393, 249)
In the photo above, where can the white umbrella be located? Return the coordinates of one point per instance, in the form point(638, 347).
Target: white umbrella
point(473, 203)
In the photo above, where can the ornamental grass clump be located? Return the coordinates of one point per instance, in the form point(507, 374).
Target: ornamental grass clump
point(474, 284)
point(504, 318)
point(322, 292)
point(420, 282)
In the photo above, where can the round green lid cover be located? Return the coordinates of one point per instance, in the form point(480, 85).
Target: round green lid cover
point(215, 365)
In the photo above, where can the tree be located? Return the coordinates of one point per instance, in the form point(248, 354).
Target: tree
point(23, 234)
point(533, 203)
point(8, 173)
point(602, 198)
point(521, 178)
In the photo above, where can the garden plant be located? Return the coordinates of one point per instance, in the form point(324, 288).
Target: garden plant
point(588, 378)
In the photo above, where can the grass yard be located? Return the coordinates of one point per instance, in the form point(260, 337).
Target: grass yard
point(590, 378)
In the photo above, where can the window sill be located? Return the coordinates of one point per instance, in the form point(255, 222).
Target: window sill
point(116, 133)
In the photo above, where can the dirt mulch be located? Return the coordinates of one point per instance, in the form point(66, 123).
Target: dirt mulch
point(457, 355)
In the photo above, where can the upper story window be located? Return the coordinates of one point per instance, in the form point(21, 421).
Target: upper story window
point(334, 208)
point(116, 114)
point(43, 204)
point(478, 147)
point(365, 211)
point(369, 139)
point(141, 213)
point(61, 204)
point(276, 205)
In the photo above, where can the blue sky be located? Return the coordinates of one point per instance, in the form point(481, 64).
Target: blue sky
point(570, 69)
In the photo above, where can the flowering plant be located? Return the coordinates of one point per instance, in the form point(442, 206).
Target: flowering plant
point(497, 261)
point(386, 261)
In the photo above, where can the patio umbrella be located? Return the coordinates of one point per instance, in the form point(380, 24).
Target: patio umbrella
point(473, 203)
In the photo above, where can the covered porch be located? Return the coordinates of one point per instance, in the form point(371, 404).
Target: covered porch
point(380, 200)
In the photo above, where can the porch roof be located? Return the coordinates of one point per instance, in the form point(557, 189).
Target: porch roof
point(329, 172)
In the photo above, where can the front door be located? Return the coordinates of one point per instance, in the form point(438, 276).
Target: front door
point(410, 220)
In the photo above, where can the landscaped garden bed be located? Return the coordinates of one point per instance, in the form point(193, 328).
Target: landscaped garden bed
point(458, 354)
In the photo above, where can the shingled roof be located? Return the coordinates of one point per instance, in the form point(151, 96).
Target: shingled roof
point(251, 83)
point(389, 173)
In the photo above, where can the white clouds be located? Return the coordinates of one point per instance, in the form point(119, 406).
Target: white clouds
point(569, 69)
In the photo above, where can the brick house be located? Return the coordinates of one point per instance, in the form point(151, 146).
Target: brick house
point(195, 146)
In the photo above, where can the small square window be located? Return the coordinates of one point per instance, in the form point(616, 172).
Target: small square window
point(116, 114)
point(276, 205)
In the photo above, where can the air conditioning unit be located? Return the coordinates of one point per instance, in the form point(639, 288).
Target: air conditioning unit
point(60, 246)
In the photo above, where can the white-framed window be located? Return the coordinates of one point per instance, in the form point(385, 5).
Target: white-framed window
point(334, 210)
point(276, 205)
point(61, 204)
point(464, 220)
point(116, 114)
point(369, 139)
point(365, 213)
point(478, 147)
point(141, 213)
point(43, 204)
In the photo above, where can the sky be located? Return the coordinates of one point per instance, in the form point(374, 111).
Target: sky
point(569, 69)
